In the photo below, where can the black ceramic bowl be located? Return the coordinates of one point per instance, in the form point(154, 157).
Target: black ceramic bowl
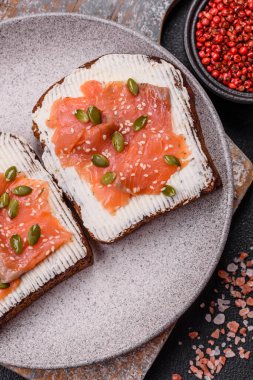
point(203, 75)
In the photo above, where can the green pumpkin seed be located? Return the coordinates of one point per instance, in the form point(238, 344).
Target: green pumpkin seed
point(133, 86)
point(82, 116)
point(4, 285)
point(11, 173)
point(16, 244)
point(169, 191)
point(94, 114)
point(13, 208)
point(171, 160)
point(21, 191)
point(100, 160)
point(118, 141)
point(108, 178)
point(4, 200)
point(34, 234)
point(140, 123)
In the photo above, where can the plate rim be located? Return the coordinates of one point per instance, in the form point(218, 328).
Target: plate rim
point(229, 173)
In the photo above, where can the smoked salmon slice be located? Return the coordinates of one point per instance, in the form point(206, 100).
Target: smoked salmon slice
point(140, 167)
point(34, 208)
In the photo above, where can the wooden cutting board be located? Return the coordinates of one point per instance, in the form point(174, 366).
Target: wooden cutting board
point(147, 17)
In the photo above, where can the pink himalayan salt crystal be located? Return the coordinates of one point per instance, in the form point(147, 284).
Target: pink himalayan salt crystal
point(233, 326)
point(219, 319)
point(232, 267)
point(229, 353)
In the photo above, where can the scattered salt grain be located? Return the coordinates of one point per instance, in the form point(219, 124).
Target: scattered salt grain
point(232, 267)
point(219, 319)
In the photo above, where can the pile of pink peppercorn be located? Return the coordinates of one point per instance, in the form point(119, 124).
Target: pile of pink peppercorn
point(224, 39)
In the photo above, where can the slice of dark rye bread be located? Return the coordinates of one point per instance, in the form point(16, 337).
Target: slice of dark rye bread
point(101, 225)
point(69, 259)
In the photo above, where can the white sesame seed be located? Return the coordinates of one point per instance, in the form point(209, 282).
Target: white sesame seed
point(128, 107)
point(104, 137)
point(150, 114)
point(145, 175)
point(151, 187)
point(115, 113)
point(72, 130)
point(88, 142)
point(87, 150)
point(133, 175)
point(155, 158)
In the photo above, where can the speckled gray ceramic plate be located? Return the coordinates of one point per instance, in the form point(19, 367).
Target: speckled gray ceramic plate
point(143, 283)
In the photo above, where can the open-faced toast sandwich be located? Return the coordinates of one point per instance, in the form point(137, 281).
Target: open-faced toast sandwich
point(122, 138)
point(41, 241)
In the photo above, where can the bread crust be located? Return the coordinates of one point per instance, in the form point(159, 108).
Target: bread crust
point(77, 267)
point(197, 127)
point(80, 265)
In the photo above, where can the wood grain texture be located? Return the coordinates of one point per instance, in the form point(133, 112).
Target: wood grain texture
point(144, 16)
point(242, 172)
point(147, 17)
point(132, 366)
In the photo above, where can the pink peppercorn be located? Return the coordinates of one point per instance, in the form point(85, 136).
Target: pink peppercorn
point(224, 39)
